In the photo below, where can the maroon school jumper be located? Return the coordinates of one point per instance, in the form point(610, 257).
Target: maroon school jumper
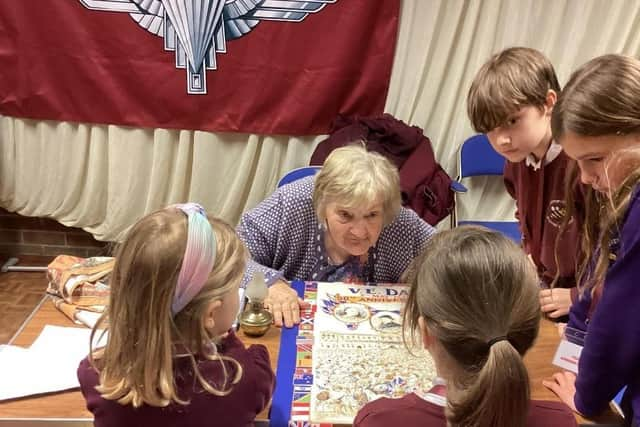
point(249, 396)
point(540, 203)
point(413, 411)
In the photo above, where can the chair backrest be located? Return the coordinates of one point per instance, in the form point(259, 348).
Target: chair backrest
point(477, 157)
point(295, 174)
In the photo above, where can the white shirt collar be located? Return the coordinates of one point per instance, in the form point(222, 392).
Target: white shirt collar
point(435, 398)
point(554, 151)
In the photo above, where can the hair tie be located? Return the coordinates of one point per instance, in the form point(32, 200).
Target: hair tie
point(495, 340)
point(199, 256)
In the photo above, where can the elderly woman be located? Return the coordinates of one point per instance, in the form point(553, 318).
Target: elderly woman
point(345, 224)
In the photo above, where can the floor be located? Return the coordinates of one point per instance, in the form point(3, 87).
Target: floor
point(20, 293)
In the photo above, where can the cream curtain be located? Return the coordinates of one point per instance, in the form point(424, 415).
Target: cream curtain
point(103, 178)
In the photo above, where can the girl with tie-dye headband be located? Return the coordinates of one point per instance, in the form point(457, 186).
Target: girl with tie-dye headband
point(171, 358)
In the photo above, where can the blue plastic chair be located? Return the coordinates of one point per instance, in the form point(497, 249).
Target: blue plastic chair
point(296, 174)
point(477, 158)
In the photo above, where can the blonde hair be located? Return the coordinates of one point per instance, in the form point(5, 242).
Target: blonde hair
point(472, 287)
point(136, 365)
point(509, 80)
point(601, 99)
point(353, 176)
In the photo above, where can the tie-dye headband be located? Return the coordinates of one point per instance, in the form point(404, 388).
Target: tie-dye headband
point(199, 256)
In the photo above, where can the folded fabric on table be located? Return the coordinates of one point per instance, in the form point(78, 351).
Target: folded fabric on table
point(80, 286)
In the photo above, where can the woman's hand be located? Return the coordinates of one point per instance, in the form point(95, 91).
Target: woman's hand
point(284, 304)
point(564, 385)
point(555, 302)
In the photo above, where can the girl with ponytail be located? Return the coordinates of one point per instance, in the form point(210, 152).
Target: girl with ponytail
point(474, 304)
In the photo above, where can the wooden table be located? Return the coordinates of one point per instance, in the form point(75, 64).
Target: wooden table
point(68, 408)
point(538, 362)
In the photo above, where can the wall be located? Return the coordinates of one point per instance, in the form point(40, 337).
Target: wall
point(22, 235)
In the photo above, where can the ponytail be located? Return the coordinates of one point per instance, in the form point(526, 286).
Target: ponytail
point(495, 396)
point(478, 295)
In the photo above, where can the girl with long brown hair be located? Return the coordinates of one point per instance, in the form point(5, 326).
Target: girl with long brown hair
point(170, 357)
point(597, 121)
point(474, 303)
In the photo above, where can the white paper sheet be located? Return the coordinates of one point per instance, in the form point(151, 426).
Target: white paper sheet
point(87, 318)
point(49, 365)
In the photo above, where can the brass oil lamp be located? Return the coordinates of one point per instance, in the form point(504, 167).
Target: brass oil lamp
point(255, 320)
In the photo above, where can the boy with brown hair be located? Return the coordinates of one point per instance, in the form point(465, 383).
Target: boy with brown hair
point(511, 100)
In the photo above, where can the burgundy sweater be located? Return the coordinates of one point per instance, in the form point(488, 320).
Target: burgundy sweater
point(413, 411)
point(539, 196)
point(248, 397)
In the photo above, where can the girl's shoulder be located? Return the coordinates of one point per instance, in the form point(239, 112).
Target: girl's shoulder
point(550, 414)
point(630, 232)
point(634, 202)
point(231, 346)
point(410, 410)
point(87, 374)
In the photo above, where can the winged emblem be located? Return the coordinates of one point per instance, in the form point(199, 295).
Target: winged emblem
point(197, 30)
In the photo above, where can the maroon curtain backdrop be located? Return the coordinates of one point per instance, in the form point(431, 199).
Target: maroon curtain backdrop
point(62, 61)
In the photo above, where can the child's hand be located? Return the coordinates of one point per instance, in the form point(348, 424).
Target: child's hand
point(561, 328)
point(555, 302)
point(564, 385)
